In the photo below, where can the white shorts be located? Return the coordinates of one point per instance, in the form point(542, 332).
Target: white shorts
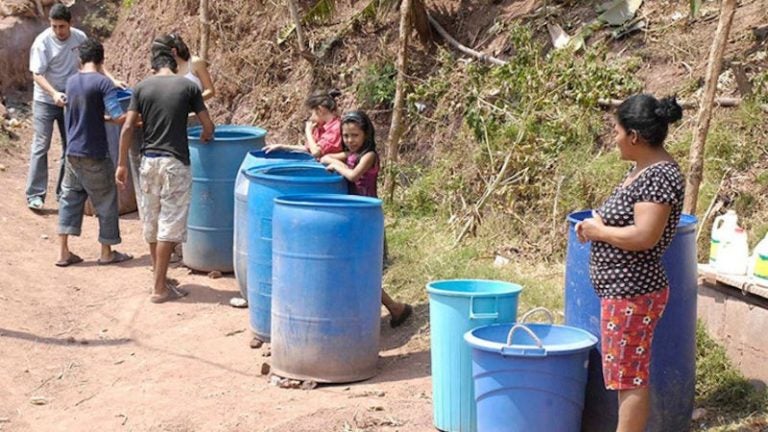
point(166, 186)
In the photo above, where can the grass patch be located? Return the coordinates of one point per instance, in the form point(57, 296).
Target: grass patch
point(731, 401)
point(422, 250)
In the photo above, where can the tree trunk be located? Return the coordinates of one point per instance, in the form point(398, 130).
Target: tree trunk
point(205, 30)
point(695, 174)
point(297, 23)
point(397, 126)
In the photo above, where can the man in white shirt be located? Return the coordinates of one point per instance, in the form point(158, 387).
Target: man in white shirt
point(53, 59)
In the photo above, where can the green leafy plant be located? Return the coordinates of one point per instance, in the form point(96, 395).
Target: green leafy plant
point(377, 86)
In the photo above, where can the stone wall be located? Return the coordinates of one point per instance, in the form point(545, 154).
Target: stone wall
point(740, 323)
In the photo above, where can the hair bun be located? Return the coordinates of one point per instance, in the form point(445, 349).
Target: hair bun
point(669, 110)
point(334, 93)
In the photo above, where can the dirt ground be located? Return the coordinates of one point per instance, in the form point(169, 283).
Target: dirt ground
point(88, 346)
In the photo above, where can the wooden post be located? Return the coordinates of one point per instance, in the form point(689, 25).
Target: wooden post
point(398, 113)
point(714, 65)
point(205, 30)
point(297, 23)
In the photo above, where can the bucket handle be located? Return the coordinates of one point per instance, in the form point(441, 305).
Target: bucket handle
point(523, 350)
point(483, 315)
point(550, 315)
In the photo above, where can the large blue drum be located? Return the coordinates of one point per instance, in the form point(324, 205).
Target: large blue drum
point(327, 267)
point(673, 363)
point(256, 158)
point(211, 212)
point(266, 184)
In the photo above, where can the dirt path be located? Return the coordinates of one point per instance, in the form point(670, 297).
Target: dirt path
point(88, 341)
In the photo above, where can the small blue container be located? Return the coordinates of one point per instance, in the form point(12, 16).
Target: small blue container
point(455, 307)
point(529, 377)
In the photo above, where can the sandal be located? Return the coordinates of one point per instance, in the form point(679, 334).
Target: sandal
point(172, 293)
point(397, 322)
point(117, 257)
point(72, 259)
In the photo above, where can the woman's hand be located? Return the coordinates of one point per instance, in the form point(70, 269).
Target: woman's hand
point(590, 229)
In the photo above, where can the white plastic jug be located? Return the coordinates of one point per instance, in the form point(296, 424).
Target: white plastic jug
point(722, 230)
point(759, 262)
point(733, 254)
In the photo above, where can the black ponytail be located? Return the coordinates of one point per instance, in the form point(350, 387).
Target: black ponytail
point(649, 117)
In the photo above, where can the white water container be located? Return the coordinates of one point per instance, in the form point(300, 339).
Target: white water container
point(733, 254)
point(759, 262)
point(722, 231)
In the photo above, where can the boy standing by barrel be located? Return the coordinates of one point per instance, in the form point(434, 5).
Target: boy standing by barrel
point(163, 101)
point(88, 168)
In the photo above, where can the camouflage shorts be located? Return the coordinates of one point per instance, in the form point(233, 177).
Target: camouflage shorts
point(166, 186)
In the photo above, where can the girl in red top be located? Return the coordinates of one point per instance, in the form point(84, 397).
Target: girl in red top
point(359, 164)
point(323, 129)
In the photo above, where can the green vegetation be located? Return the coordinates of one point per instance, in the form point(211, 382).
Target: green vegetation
point(732, 403)
point(377, 86)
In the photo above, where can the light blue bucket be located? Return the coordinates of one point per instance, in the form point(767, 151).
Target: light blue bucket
point(455, 307)
point(529, 377)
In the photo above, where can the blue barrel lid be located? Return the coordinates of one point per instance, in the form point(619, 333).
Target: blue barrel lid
point(530, 340)
point(473, 288)
point(292, 172)
point(687, 222)
point(328, 200)
point(224, 133)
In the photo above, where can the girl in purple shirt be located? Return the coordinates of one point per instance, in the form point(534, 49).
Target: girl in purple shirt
point(359, 164)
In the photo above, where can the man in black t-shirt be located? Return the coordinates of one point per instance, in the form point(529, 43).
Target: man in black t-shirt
point(164, 102)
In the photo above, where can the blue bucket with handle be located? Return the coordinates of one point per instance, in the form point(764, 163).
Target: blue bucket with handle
point(529, 376)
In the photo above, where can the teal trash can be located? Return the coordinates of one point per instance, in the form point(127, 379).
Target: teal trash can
point(456, 307)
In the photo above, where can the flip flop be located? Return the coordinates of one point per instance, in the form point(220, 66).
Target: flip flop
point(72, 259)
point(117, 257)
point(397, 322)
point(173, 293)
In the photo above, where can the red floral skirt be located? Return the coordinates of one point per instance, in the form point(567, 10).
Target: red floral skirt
point(627, 327)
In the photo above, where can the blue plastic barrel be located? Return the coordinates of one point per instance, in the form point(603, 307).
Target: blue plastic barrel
point(326, 298)
point(266, 184)
point(214, 165)
point(113, 129)
point(529, 377)
point(254, 158)
point(455, 307)
point(673, 355)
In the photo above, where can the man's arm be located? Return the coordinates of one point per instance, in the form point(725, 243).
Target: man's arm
point(58, 97)
point(126, 141)
point(208, 127)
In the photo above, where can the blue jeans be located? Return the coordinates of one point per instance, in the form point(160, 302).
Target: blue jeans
point(94, 178)
point(43, 117)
